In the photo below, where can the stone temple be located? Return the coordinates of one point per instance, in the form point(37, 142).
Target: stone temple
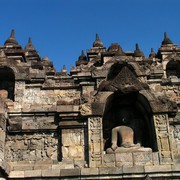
point(115, 115)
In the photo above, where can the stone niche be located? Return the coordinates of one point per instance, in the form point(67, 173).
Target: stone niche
point(129, 110)
point(7, 82)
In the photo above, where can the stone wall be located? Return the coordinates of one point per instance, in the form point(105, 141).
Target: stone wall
point(73, 144)
point(31, 147)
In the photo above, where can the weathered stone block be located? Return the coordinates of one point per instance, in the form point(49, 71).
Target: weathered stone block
point(124, 159)
point(155, 158)
point(23, 167)
point(56, 166)
point(110, 164)
point(66, 164)
point(108, 158)
point(158, 168)
point(89, 171)
point(68, 108)
point(175, 167)
point(42, 166)
point(15, 124)
point(142, 158)
point(76, 152)
point(72, 137)
point(16, 174)
point(51, 173)
point(32, 173)
point(110, 170)
point(133, 169)
point(70, 172)
point(79, 163)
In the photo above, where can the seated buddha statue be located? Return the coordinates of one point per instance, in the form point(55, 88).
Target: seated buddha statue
point(125, 135)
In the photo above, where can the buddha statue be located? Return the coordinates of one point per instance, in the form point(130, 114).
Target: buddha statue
point(125, 135)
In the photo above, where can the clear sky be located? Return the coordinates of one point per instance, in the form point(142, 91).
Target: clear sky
point(60, 29)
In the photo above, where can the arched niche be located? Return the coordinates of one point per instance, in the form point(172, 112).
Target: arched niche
point(173, 68)
point(7, 81)
point(133, 110)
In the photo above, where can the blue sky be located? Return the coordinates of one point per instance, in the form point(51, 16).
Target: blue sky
point(60, 29)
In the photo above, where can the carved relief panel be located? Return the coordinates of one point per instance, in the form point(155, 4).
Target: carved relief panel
point(73, 144)
point(2, 136)
point(31, 147)
point(163, 138)
point(176, 140)
point(95, 141)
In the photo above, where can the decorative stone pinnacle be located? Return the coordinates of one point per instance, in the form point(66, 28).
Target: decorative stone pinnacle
point(29, 41)
point(152, 54)
point(97, 37)
point(138, 52)
point(166, 40)
point(11, 40)
point(12, 33)
point(97, 42)
point(82, 53)
point(29, 45)
point(137, 46)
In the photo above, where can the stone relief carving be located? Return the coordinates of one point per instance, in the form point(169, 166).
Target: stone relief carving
point(73, 144)
point(163, 136)
point(67, 95)
point(177, 133)
point(31, 147)
point(50, 97)
point(85, 109)
point(95, 123)
point(172, 93)
point(2, 140)
point(95, 140)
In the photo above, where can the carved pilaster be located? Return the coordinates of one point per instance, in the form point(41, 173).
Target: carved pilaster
point(163, 138)
point(2, 136)
point(95, 141)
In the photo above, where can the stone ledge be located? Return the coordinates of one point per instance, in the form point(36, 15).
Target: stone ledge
point(51, 173)
point(133, 169)
point(104, 172)
point(89, 171)
point(68, 108)
point(175, 167)
point(112, 170)
point(70, 172)
point(23, 167)
point(16, 174)
point(32, 173)
point(158, 168)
